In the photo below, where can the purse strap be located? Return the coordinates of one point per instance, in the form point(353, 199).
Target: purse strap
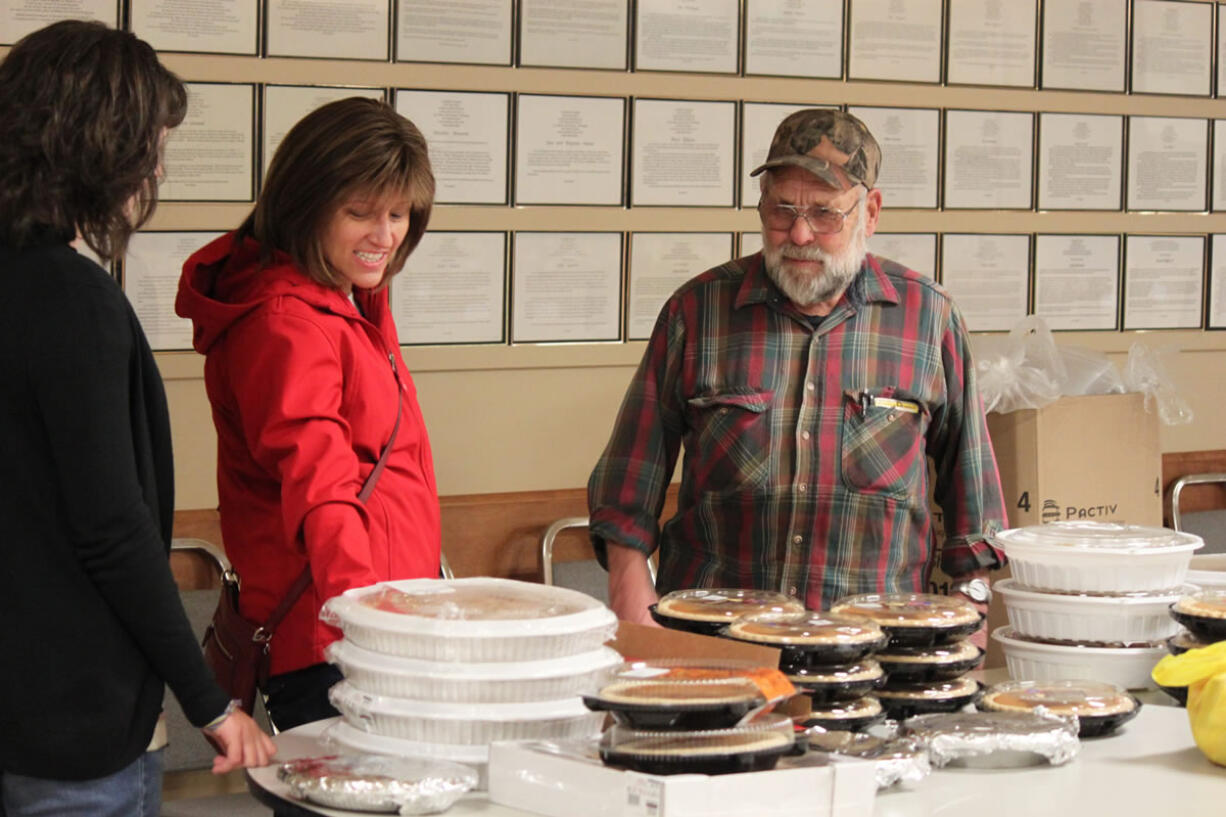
point(264, 633)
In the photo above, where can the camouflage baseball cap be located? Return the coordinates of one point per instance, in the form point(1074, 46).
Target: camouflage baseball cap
point(831, 144)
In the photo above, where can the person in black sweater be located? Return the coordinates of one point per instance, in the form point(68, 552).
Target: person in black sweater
point(92, 626)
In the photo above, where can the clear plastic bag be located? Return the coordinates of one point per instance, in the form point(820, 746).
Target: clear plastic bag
point(1027, 369)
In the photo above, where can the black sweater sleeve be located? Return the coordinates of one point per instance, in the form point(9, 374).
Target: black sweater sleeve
point(102, 404)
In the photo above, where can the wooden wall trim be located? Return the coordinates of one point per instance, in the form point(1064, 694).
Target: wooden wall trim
point(483, 534)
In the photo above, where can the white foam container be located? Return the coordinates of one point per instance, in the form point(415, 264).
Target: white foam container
point(1127, 667)
point(464, 724)
point(473, 639)
point(1098, 557)
point(462, 682)
point(1208, 572)
point(347, 736)
point(1103, 619)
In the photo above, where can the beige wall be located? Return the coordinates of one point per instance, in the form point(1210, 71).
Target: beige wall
point(535, 417)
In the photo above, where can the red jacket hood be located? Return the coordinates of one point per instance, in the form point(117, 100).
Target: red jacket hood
point(225, 280)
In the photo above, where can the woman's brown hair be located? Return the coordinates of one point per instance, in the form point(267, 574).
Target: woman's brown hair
point(354, 146)
point(82, 111)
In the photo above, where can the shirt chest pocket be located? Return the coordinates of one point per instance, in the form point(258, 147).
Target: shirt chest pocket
point(730, 434)
point(883, 449)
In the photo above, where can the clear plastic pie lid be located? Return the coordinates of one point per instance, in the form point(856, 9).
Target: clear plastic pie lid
point(1204, 603)
point(377, 782)
point(936, 691)
point(350, 699)
point(476, 607)
point(957, 651)
point(694, 681)
point(867, 706)
point(348, 654)
point(1099, 537)
point(1066, 697)
point(866, 670)
point(909, 609)
point(724, 604)
point(770, 732)
point(805, 628)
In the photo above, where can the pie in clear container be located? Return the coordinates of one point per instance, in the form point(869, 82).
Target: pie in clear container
point(475, 620)
point(1097, 557)
point(902, 701)
point(921, 665)
point(751, 747)
point(1203, 613)
point(706, 610)
point(1100, 708)
point(845, 716)
point(689, 694)
point(914, 619)
point(841, 682)
point(808, 639)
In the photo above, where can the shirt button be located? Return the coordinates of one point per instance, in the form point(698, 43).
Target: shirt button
point(792, 590)
point(802, 487)
point(804, 435)
point(797, 539)
point(810, 385)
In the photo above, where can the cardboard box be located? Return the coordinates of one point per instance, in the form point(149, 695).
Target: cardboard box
point(564, 780)
point(1095, 457)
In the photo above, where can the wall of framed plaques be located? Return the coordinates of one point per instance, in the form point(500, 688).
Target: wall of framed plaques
point(1057, 157)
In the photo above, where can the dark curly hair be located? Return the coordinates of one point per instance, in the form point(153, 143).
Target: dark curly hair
point(82, 111)
point(351, 146)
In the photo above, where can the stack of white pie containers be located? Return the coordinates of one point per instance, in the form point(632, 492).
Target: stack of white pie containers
point(441, 669)
point(1090, 600)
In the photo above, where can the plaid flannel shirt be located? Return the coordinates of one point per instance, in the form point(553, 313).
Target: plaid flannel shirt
point(806, 449)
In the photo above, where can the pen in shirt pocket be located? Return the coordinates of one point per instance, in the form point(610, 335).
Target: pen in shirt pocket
point(868, 401)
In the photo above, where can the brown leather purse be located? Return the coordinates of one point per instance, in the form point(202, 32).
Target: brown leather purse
point(236, 648)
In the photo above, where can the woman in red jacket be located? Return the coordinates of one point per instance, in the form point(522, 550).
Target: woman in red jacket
point(306, 383)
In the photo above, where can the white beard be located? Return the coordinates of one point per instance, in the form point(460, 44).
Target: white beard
point(804, 288)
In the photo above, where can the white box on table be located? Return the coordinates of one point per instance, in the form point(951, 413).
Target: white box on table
point(535, 777)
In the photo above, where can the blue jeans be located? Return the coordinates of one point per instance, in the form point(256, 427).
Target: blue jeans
point(134, 791)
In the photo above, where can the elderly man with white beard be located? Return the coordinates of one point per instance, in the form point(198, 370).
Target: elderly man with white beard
point(810, 385)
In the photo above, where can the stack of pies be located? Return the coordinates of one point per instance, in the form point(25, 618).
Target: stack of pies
point(707, 611)
point(1099, 707)
point(927, 654)
point(703, 716)
point(826, 656)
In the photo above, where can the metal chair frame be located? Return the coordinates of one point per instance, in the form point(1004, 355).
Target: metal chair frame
point(551, 533)
point(1183, 482)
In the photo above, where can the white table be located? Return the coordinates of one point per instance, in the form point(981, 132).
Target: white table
point(1151, 768)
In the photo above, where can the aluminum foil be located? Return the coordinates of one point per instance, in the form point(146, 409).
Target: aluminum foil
point(899, 760)
point(995, 739)
point(377, 783)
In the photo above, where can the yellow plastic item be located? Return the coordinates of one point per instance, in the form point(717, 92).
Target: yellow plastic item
point(1203, 672)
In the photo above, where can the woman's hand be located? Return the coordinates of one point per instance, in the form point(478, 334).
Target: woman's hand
point(240, 743)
